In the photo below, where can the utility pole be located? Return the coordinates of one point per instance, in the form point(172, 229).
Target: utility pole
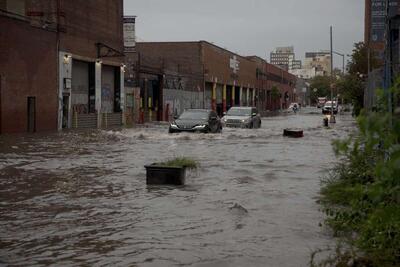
point(332, 119)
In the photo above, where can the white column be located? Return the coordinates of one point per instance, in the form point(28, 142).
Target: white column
point(64, 72)
point(122, 94)
point(98, 93)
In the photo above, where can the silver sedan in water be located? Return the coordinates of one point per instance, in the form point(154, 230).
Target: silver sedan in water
point(242, 117)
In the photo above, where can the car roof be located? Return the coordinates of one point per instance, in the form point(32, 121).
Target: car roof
point(242, 107)
point(198, 110)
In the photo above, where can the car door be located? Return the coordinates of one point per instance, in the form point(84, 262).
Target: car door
point(254, 118)
point(258, 119)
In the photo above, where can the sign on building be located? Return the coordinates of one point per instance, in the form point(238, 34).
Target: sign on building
point(234, 64)
point(378, 17)
point(129, 34)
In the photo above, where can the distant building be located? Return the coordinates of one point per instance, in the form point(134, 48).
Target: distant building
point(374, 38)
point(285, 58)
point(305, 74)
point(173, 76)
point(296, 64)
point(320, 61)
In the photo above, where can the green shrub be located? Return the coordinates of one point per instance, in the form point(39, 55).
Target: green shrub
point(361, 195)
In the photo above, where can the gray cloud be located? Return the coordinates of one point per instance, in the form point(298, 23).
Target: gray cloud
point(252, 27)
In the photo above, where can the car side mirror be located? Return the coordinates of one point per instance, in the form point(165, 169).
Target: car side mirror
point(224, 113)
point(176, 117)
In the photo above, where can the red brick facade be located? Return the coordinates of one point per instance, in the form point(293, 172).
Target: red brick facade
point(32, 33)
point(219, 73)
point(28, 69)
point(87, 22)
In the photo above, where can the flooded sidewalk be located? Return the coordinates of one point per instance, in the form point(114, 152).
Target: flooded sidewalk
point(80, 198)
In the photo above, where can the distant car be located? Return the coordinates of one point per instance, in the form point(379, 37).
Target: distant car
point(196, 120)
point(242, 117)
point(321, 102)
point(294, 107)
point(327, 109)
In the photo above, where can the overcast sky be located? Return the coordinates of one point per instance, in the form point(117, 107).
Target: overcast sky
point(252, 27)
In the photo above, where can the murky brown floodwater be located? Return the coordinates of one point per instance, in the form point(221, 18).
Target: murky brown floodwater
point(80, 198)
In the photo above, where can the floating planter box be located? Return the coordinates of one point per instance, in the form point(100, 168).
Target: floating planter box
point(160, 175)
point(295, 133)
point(170, 172)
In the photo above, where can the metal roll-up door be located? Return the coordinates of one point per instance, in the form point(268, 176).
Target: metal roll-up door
point(107, 89)
point(80, 87)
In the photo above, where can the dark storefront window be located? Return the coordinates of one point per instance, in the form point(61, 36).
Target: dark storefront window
point(92, 88)
point(117, 90)
point(31, 115)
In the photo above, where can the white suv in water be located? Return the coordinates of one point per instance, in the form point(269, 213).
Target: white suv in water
point(242, 117)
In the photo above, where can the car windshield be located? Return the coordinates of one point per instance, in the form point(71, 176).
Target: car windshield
point(194, 115)
point(239, 112)
point(329, 103)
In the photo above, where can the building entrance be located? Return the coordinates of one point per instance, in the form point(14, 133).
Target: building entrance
point(65, 111)
point(31, 114)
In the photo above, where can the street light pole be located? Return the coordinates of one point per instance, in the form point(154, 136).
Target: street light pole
point(342, 55)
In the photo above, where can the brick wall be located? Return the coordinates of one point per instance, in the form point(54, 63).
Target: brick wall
point(217, 65)
point(28, 69)
point(87, 22)
point(179, 60)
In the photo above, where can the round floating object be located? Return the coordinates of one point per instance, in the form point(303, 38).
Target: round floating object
point(296, 133)
point(326, 121)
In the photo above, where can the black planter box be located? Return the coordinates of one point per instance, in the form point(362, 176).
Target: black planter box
point(295, 133)
point(157, 175)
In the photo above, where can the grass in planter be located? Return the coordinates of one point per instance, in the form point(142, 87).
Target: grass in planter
point(179, 162)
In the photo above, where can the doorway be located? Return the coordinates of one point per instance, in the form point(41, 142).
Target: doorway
point(31, 114)
point(65, 111)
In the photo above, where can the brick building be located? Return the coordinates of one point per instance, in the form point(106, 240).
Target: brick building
point(173, 76)
point(376, 27)
point(61, 65)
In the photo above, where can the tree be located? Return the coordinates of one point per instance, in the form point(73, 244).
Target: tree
point(351, 89)
point(359, 60)
point(351, 86)
point(322, 84)
point(275, 93)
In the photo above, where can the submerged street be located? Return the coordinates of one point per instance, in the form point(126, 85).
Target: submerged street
point(80, 197)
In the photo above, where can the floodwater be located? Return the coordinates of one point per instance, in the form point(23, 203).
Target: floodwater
point(80, 198)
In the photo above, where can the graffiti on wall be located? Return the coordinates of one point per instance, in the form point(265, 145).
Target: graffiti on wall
point(80, 109)
point(107, 98)
point(176, 101)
